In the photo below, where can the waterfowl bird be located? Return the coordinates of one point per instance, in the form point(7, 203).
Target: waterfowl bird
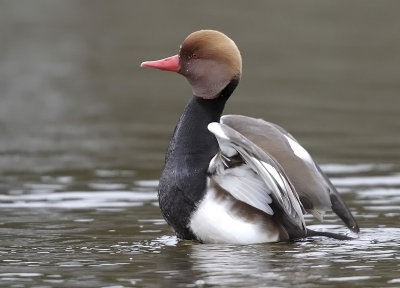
point(235, 179)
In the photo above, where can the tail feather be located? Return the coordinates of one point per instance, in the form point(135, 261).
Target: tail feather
point(339, 206)
point(313, 233)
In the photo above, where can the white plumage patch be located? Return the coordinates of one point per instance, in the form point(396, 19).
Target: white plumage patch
point(215, 221)
point(299, 151)
point(223, 139)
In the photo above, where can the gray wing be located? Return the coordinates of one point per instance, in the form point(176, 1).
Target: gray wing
point(316, 192)
point(259, 180)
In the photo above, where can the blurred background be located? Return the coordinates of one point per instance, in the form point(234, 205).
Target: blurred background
point(84, 130)
point(72, 94)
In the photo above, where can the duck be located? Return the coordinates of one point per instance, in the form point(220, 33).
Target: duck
point(230, 178)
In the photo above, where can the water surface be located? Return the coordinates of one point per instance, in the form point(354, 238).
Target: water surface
point(84, 131)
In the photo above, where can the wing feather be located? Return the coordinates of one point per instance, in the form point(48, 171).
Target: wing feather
point(312, 185)
point(262, 167)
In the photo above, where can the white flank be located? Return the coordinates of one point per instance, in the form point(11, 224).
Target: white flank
point(214, 221)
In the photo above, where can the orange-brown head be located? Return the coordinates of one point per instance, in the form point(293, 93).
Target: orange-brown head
point(208, 59)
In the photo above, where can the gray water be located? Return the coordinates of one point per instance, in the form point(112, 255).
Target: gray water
point(84, 131)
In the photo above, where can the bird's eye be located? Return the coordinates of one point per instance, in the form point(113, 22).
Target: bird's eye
point(194, 55)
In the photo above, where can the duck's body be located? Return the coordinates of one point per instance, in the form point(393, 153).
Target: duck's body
point(235, 179)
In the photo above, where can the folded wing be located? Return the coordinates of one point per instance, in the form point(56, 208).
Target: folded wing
point(252, 176)
point(316, 192)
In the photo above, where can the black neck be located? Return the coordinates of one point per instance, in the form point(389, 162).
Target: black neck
point(192, 145)
point(183, 181)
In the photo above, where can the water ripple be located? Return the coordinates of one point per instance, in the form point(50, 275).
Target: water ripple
point(359, 181)
point(78, 199)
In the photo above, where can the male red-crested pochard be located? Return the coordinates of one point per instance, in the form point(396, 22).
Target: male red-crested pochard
point(235, 179)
